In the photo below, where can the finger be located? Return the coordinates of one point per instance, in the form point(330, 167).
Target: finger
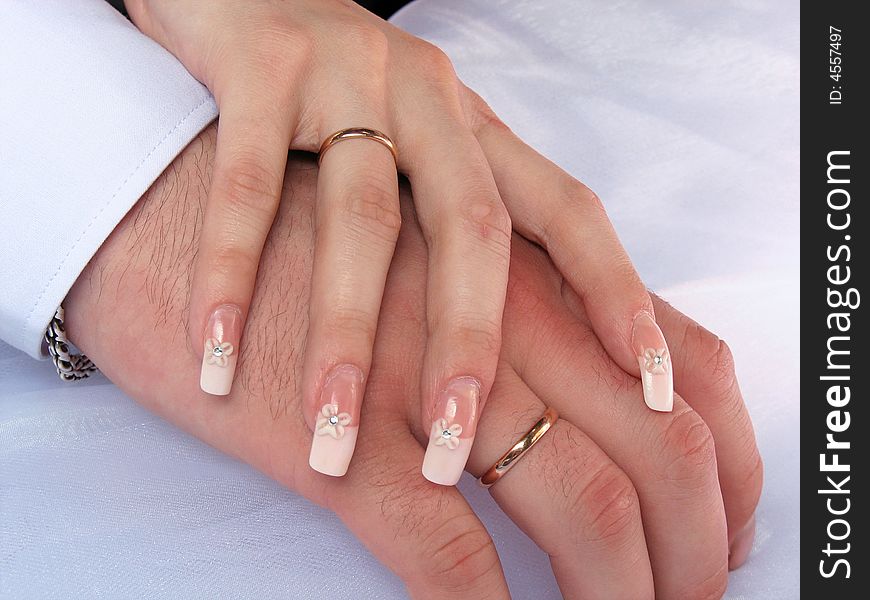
point(467, 230)
point(428, 535)
point(741, 545)
point(669, 457)
point(253, 138)
point(704, 376)
point(567, 495)
point(357, 223)
point(561, 214)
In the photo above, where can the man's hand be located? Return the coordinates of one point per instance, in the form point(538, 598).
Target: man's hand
point(627, 502)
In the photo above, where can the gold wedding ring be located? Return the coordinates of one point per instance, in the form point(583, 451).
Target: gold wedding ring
point(355, 133)
point(510, 458)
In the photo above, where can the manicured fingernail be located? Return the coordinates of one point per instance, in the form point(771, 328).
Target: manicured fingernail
point(656, 371)
point(337, 422)
point(741, 545)
point(452, 433)
point(221, 350)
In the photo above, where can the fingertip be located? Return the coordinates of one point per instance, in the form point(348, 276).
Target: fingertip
point(336, 420)
point(451, 434)
point(654, 363)
point(220, 349)
point(331, 456)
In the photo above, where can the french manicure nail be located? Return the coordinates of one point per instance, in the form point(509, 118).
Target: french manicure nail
point(337, 422)
point(220, 351)
point(656, 371)
point(452, 432)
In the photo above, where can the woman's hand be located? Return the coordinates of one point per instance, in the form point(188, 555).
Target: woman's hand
point(290, 74)
point(627, 502)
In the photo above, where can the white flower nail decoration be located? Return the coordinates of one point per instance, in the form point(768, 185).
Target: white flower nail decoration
point(655, 361)
point(217, 352)
point(331, 422)
point(447, 435)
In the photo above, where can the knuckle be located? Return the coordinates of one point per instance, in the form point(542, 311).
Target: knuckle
point(436, 63)
point(578, 195)
point(352, 324)
point(688, 452)
point(607, 507)
point(755, 480)
point(750, 492)
point(573, 199)
point(721, 365)
point(708, 349)
point(249, 187)
point(592, 201)
point(227, 260)
point(482, 335)
point(374, 210)
point(481, 114)
point(301, 49)
point(460, 554)
point(619, 268)
point(362, 36)
point(488, 217)
point(713, 356)
point(711, 587)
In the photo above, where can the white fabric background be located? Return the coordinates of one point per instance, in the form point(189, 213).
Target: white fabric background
point(684, 118)
point(91, 112)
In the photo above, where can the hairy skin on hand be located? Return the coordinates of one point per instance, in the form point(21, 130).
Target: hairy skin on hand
point(127, 311)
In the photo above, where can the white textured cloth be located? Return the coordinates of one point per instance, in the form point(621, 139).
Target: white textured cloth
point(682, 116)
point(91, 112)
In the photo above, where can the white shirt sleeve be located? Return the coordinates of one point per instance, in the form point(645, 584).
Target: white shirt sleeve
point(91, 112)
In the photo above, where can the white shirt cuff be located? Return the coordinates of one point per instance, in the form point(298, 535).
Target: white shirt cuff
point(91, 112)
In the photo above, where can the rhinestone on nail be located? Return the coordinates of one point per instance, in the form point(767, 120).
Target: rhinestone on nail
point(444, 434)
point(331, 422)
point(655, 360)
point(217, 352)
